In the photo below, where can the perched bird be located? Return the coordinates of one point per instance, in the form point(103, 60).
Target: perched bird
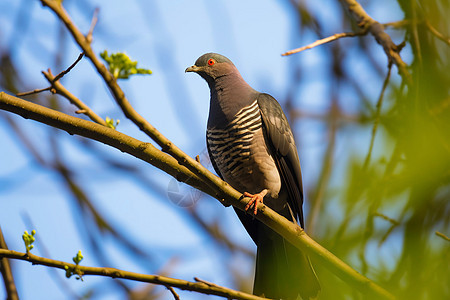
point(251, 147)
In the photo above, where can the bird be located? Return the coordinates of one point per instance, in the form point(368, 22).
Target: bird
point(252, 148)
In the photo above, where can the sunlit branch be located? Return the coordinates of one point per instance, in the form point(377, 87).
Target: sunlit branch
point(440, 234)
point(365, 22)
point(200, 287)
point(324, 41)
point(437, 33)
point(5, 270)
point(59, 89)
point(93, 23)
point(333, 115)
point(377, 117)
point(167, 146)
point(54, 79)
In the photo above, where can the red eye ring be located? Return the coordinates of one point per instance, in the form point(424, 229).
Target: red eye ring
point(211, 61)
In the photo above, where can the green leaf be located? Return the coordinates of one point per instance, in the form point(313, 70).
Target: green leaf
point(121, 66)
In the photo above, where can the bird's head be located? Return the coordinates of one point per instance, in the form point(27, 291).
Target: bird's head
point(211, 66)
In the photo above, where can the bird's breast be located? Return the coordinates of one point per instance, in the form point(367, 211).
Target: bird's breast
point(240, 153)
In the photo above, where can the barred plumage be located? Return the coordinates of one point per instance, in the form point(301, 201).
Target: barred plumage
point(230, 146)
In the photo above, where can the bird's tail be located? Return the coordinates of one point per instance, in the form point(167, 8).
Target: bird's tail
point(283, 271)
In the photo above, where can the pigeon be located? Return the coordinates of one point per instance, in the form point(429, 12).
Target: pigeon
point(251, 147)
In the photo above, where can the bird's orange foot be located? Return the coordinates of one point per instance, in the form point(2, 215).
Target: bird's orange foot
point(255, 199)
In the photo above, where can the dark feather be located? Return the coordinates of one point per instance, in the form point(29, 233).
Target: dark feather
point(281, 141)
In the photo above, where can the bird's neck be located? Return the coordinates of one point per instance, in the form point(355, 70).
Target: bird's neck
point(229, 94)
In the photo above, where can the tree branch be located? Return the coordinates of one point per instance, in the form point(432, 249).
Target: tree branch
point(377, 116)
point(144, 151)
point(443, 236)
point(61, 90)
point(365, 22)
point(324, 41)
point(199, 287)
point(437, 33)
point(147, 152)
point(5, 270)
point(167, 146)
point(54, 79)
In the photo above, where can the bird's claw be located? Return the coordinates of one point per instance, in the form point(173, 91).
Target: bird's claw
point(255, 199)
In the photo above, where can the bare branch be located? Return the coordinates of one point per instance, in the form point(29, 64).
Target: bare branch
point(325, 40)
point(325, 173)
point(61, 90)
point(199, 287)
point(36, 91)
point(205, 282)
point(172, 291)
point(397, 24)
point(337, 36)
point(440, 234)
point(5, 270)
point(93, 23)
point(61, 75)
point(54, 80)
point(377, 116)
point(392, 221)
point(365, 22)
point(437, 33)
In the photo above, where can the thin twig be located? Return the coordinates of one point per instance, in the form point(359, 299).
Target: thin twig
point(36, 91)
point(377, 117)
point(437, 33)
point(397, 24)
point(5, 270)
point(64, 72)
point(205, 282)
point(394, 224)
point(337, 36)
point(392, 221)
point(386, 235)
point(391, 50)
point(174, 294)
point(199, 287)
point(59, 89)
point(324, 41)
point(440, 234)
point(333, 115)
point(93, 23)
point(54, 80)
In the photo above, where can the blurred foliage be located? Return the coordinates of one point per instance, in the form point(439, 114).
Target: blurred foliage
point(378, 211)
point(393, 207)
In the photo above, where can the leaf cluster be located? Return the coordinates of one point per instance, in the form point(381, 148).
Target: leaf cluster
point(121, 66)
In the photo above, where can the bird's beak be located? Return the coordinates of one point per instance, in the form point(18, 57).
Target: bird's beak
point(193, 68)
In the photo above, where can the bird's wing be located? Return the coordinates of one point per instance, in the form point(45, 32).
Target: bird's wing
point(281, 142)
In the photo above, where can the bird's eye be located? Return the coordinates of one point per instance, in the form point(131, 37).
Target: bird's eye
point(211, 61)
